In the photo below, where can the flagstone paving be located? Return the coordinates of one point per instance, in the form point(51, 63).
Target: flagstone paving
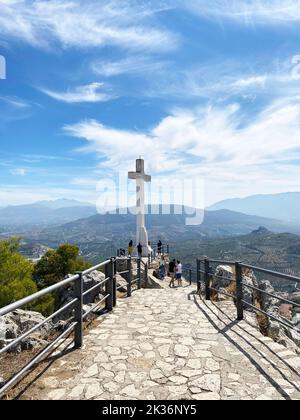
point(168, 344)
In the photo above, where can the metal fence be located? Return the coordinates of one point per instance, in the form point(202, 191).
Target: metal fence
point(206, 274)
point(76, 305)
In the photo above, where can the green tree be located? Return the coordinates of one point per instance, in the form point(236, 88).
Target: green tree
point(16, 278)
point(15, 273)
point(57, 264)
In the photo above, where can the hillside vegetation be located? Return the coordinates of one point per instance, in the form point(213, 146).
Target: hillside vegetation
point(20, 278)
point(279, 252)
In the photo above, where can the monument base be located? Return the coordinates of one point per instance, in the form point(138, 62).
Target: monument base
point(142, 238)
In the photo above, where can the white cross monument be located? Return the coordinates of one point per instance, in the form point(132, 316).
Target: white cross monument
point(140, 177)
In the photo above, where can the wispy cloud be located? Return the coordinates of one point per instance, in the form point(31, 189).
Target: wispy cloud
point(129, 65)
point(85, 24)
point(246, 11)
point(88, 93)
point(223, 79)
point(208, 143)
point(15, 102)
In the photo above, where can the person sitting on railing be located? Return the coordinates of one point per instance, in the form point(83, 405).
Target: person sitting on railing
point(172, 267)
point(162, 268)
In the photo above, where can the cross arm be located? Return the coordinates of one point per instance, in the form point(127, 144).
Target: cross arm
point(136, 176)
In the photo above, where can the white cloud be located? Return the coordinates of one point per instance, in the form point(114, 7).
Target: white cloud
point(18, 171)
point(87, 93)
point(255, 81)
point(247, 11)
point(209, 143)
point(15, 101)
point(221, 80)
point(84, 24)
point(130, 65)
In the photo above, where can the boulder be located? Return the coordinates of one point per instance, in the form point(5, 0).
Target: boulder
point(90, 281)
point(222, 281)
point(17, 323)
point(224, 277)
point(68, 294)
point(268, 303)
point(249, 295)
point(278, 332)
point(122, 283)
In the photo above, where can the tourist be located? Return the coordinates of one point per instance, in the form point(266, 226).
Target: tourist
point(179, 273)
point(159, 247)
point(162, 268)
point(172, 267)
point(140, 250)
point(130, 248)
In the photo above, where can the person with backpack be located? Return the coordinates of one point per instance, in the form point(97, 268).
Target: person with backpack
point(172, 267)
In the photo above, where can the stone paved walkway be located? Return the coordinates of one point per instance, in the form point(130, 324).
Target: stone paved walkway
point(169, 345)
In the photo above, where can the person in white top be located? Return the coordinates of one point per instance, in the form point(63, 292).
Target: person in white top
point(179, 273)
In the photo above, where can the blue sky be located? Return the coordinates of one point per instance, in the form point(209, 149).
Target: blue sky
point(207, 91)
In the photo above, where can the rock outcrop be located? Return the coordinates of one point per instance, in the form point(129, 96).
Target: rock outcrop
point(250, 295)
point(223, 282)
point(17, 323)
point(275, 330)
point(67, 295)
point(20, 321)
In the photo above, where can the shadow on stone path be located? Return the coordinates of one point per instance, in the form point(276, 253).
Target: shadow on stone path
point(169, 344)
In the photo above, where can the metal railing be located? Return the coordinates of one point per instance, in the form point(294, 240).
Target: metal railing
point(76, 305)
point(205, 275)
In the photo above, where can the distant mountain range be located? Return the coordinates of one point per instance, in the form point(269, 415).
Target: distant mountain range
point(45, 213)
point(284, 206)
point(63, 203)
point(100, 235)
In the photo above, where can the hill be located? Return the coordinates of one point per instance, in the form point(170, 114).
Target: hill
point(284, 206)
point(44, 213)
point(279, 252)
point(100, 235)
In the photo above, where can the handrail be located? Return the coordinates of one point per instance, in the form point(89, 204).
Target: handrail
point(96, 268)
point(272, 273)
point(25, 301)
point(76, 326)
point(241, 303)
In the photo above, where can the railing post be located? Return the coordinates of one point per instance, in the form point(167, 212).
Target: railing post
point(78, 288)
point(168, 250)
point(149, 259)
point(207, 279)
point(198, 275)
point(114, 282)
point(146, 274)
point(139, 272)
point(109, 274)
point(154, 253)
point(129, 277)
point(190, 274)
point(239, 291)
